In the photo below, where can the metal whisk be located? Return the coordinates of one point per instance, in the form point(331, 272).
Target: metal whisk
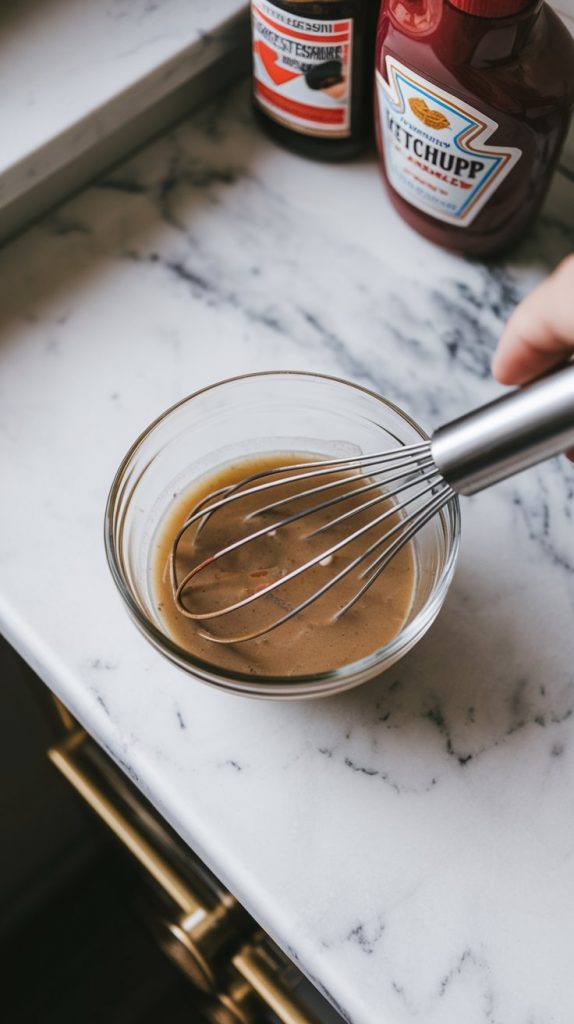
point(412, 483)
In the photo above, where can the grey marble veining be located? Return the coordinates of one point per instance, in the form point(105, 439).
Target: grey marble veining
point(411, 843)
point(84, 84)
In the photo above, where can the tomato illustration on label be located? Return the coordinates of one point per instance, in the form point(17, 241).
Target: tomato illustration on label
point(302, 69)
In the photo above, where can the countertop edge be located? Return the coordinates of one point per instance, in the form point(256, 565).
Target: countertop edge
point(109, 132)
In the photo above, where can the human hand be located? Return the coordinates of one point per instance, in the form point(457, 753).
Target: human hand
point(540, 332)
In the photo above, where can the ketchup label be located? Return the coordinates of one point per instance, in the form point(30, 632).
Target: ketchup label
point(435, 149)
point(302, 70)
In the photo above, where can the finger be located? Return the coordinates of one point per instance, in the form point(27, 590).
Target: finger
point(540, 332)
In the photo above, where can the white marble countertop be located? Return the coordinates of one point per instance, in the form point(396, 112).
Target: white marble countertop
point(410, 844)
point(74, 74)
point(62, 61)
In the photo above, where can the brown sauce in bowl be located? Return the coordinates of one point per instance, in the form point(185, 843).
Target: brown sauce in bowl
point(314, 640)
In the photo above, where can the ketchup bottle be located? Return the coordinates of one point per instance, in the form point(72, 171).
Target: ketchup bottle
point(473, 99)
point(313, 66)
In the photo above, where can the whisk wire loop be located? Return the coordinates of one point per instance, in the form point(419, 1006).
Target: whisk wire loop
point(417, 523)
point(405, 462)
point(394, 473)
point(270, 528)
point(310, 470)
point(303, 513)
point(423, 516)
point(234, 492)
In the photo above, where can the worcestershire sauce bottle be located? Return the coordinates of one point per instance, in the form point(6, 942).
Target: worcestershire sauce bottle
point(473, 99)
point(313, 73)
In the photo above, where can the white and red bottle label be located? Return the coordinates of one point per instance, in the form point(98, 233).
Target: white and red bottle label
point(302, 70)
point(435, 147)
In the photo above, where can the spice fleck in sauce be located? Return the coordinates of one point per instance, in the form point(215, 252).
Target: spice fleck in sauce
point(312, 641)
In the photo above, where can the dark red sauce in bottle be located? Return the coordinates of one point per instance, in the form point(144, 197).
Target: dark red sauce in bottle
point(313, 73)
point(473, 99)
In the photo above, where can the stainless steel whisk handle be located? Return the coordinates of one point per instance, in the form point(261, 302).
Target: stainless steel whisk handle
point(508, 435)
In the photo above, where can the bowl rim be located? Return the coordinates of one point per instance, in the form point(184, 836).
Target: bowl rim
point(343, 677)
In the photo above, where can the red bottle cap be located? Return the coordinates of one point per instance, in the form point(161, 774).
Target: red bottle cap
point(491, 8)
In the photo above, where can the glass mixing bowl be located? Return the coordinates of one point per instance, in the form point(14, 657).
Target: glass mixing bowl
point(241, 417)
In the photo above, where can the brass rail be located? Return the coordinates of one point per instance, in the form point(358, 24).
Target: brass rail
point(209, 943)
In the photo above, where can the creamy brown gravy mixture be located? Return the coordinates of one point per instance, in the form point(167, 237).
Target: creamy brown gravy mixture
point(311, 641)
